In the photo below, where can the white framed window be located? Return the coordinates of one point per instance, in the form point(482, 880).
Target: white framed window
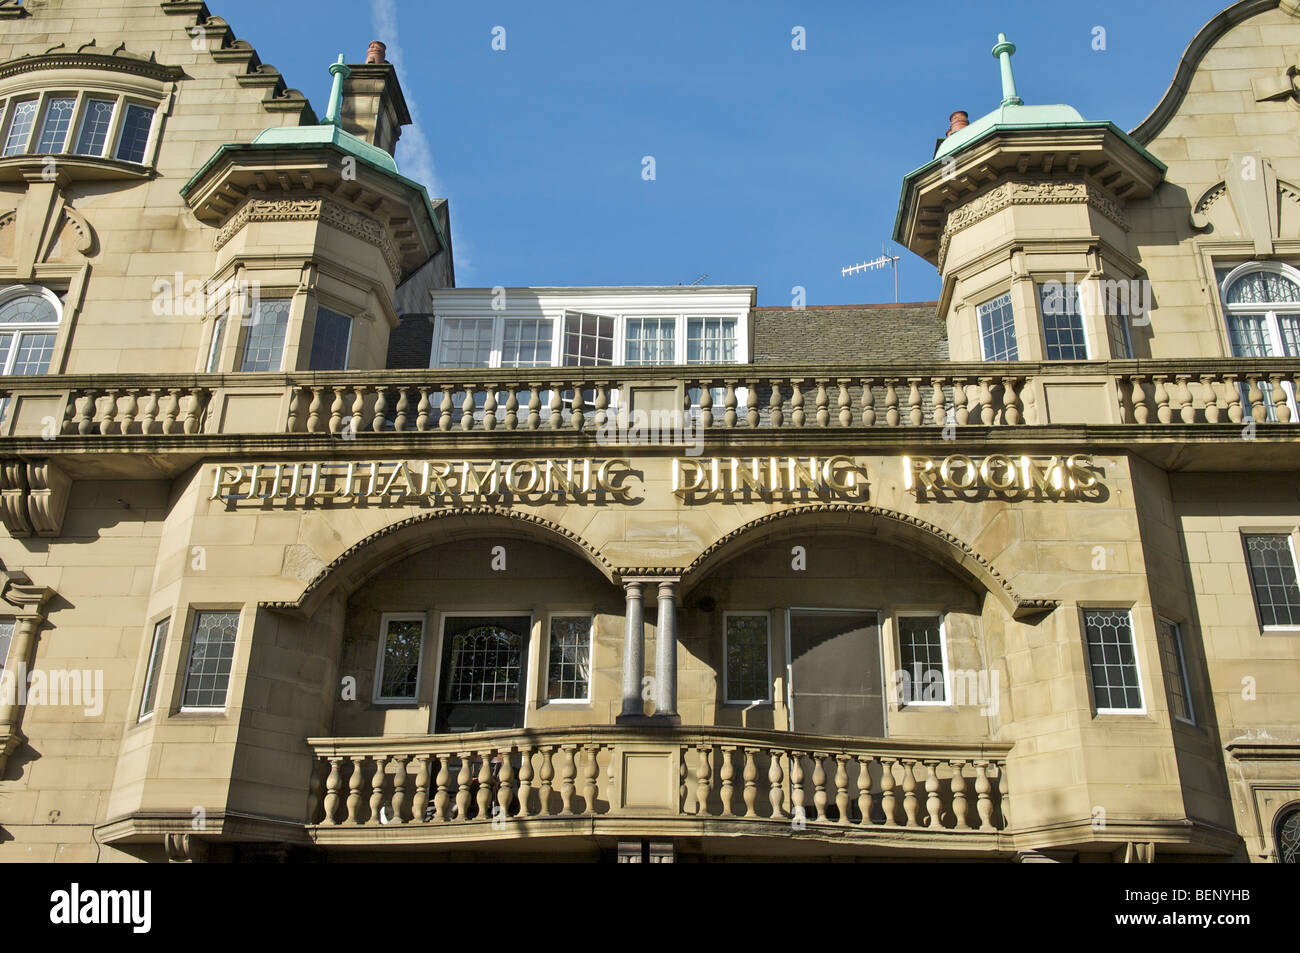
point(1261, 302)
point(998, 329)
point(149, 697)
point(568, 666)
point(29, 325)
point(711, 341)
point(97, 123)
point(650, 341)
point(1112, 662)
point(401, 653)
point(264, 339)
point(922, 659)
point(526, 342)
point(588, 340)
point(212, 655)
point(1061, 310)
point(464, 342)
point(331, 340)
point(747, 658)
point(1271, 563)
point(1175, 666)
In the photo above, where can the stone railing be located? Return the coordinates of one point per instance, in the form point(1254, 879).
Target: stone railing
point(583, 400)
point(430, 787)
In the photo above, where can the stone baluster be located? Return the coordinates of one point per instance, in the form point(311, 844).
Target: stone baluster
point(797, 794)
point(682, 774)
point(490, 405)
point(983, 803)
point(932, 802)
point(149, 413)
point(86, 412)
point(525, 780)
point(1232, 393)
point(706, 404)
point(336, 410)
point(1011, 415)
point(961, 409)
point(602, 404)
point(379, 420)
point(314, 793)
point(105, 415)
point(1138, 397)
point(568, 771)
point(842, 788)
point(332, 782)
point(729, 405)
point(355, 782)
point(864, 788)
point(402, 413)
point(891, 401)
point(797, 416)
point(445, 407)
point(484, 793)
point(506, 784)
point(1255, 396)
point(940, 412)
point(774, 415)
point(467, 407)
point(958, 786)
point(534, 406)
point(545, 776)
point(1004, 793)
point(868, 402)
point(887, 800)
point(750, 777)
point(1186, 405)
point(776, 782)
point(420, 803)
point(986, 401)
point(358, 409)
point(399, 788)
point(751, 407)
point(823, 404)
point(1280, 405)
point(725, 774)
point(423, 410)
point(556, 419)
point(511, 420)
point(291, 422)
point(703, 778)
point(844, 402)
point(1213, 410)
point(915, 415)
point(377, 791)
point(590, 771)
point(909, 792)
point(198, 407)
point(126, 414)
point(577, 418)
point(819, 785)
point(462, 786)
point(1164, 413)
point(314, 409)
point(442, 796)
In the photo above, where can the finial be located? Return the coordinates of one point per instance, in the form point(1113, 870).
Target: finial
point(1003, 52)
point(340, 72)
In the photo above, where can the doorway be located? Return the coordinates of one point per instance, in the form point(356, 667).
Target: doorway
point(484, 664)
point(835, 684)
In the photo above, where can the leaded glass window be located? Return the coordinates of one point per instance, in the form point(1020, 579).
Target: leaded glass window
point(1288, 837)
point(998, 330)
point(20, 127)
point(401, 645)
point(1112, 659)
point(485, 665)
point(96, 119)
point(920, 656)
point(1175, 666)
point(264, 343)
point(1063, 334)
point(329, 345)
point(29, 318)
point(134, 137)
point(569, 670)
point(57, 121)
point(212, 653)
point(747, 648)
point(1271, 561)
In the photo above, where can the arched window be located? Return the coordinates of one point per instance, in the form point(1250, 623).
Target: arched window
point(1287, 836)
point(29, 323)
point(1262, 304)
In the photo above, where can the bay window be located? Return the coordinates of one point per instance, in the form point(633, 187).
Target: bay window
point(99, 124)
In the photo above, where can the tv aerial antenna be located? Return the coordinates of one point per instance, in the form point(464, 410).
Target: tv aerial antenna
point(885, 260)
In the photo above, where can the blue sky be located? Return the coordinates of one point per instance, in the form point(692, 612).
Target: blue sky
point(773, 167)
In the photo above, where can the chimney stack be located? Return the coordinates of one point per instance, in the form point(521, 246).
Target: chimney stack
point(958, 120)
point(374, 108)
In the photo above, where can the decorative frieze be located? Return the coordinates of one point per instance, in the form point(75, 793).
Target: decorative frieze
point(310, 209)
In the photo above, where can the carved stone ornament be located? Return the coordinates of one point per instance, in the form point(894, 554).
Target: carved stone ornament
point(313, 209)
point(33, 497)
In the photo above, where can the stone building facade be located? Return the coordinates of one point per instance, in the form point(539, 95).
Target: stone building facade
point(309, 554)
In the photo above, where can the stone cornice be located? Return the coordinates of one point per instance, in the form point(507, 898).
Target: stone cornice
point(117, 62)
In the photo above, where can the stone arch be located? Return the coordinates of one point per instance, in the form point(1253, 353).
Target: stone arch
point(368, 556)
point(892, 526)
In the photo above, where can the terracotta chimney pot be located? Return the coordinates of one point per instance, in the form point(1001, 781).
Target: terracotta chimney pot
point(958, 120)
point(376, 53)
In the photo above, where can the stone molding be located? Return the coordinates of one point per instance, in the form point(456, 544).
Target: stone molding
point(119, 61)
point(33, 497)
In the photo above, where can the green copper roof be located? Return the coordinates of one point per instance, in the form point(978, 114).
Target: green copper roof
point(327, 135)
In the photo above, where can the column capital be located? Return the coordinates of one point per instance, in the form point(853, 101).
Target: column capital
point(30, 599)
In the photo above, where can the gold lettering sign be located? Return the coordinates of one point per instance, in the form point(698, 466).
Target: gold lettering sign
point(1054, 478)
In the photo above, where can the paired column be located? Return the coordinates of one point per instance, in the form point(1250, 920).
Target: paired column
point(665, 687)
point(29, 601)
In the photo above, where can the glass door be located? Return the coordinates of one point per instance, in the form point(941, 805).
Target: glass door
point(484, 664)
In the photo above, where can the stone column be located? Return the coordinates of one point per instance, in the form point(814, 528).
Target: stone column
point(666, 653)
point(29, 601)
point(633, 650)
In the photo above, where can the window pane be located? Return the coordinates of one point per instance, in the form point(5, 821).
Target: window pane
point(1263, 287)
point(1248, 334)
point(29, 309)
point(401, 667)
point(155, 667)
point(1109, 634)
point(6, 636)
point(1273, 579)
point(1063, 337)
point(1289, 325)
point(329, 346)
point(1171, 658)
point(207, 677)
point(920, 654)
point(1288, 838)
point(569, 671)
point(33, 354)
point(6, 342)
point(1117, 327)
point(588, 340)
point(54, 128)
point(264, 345)
point(135, 133)
point(485, 665)
point(526, 342)
point(218, 338)
point(651, 341)
point(711, 341)
point(747, 651)
point(94, 127)
point(20, 127)
point(465, 342)
point(998, 330)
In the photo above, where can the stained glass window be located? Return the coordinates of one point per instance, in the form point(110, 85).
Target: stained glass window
point(212, 653)
point(748, 678)
point(1113, 660)
point(998, 330)
point(1273, 579)
point(569, 670)
point(403, 639)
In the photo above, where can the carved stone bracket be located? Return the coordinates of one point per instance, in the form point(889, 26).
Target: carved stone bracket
point(185, 849)
point(33, 497)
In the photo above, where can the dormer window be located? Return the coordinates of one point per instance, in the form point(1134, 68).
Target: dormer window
point(86, 123)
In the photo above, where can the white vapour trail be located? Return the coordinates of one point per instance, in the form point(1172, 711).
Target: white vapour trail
point(413, 153)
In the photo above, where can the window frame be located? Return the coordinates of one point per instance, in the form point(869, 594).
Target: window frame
point(315, 329)
point(1290, 535)
point(21, 330)
point(1079, 313)
point(1176, 633)
point(979, 322)
point(545, 660)
point(81, 95)
point(375, 696)
point(1137, 660)
point(942, 616)
point(153, 669)
point(1276, 340)
point(247, 324)
point(194, 615)
point(726, 653)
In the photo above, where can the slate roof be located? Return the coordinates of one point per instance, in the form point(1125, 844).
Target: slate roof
point(850, 334)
